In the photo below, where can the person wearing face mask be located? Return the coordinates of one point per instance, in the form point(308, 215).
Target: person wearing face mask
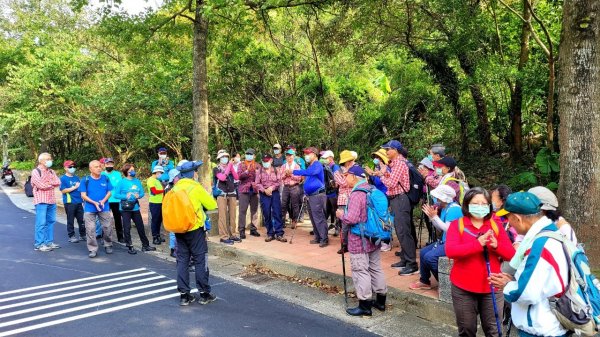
point(225, 177)
point(129, 191)
point(277, 156)
point(267, 184)
point(248, 196)
point(436, 152)
point(69, 187)
point(466, 240)
point(166, 163)
point(499, 195)
point(380, 159)
point(444, 168)
point(441, 214)
point(115, 178)
point(314, 189)
point(44, 180)
point(551, 211)
point(427, 170)
point(331, 187)
point(291, 197)
point(156, 193)
point(347, 160)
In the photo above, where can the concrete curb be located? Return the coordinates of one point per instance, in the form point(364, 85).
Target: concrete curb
point(420, 306)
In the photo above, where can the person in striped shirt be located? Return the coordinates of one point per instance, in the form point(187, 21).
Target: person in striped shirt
point(44, 180)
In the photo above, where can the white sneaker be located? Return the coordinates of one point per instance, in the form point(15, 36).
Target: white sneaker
point(385, 247)
point(73, 240)
point(43, 248)
point(53, 245)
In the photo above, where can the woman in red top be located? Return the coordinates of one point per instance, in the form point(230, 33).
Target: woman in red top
point(471, 294)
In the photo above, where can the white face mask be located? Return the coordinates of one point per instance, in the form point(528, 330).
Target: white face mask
point(48, 163)
point(224, 160)
point(162, 156)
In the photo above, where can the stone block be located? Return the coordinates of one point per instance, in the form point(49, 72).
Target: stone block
point(445, 287)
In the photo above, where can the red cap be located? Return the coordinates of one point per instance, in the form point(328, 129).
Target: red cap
point(68, 163)
point(311, 150)
point(102, 160)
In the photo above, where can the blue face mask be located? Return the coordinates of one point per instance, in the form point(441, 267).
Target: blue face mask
point(430, 157)
point(249, 157)
point(72, 170)
point(48, 163)
point(307, 158)
point(266, 165)
point(376, 161)
point(132, 173)
point(224, 160)
point(439, 172)
point(479, 211)
point(276, 151)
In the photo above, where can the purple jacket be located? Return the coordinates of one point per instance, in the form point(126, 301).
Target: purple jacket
point(247, 175)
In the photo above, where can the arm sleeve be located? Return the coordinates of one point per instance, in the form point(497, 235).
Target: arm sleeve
point(118, 192)
point(258, 183)
point(155, 191)
point(38, 182)
point(456, 248)
point(141, 188)
point(439, 224)
point(207, 200)
point(55, 179)
point(310, 171)
point(339, 179)
point(352, 214)
point(63, 185)
point(296, 178)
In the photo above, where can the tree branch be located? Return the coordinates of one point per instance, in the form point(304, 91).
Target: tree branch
point(187, 7)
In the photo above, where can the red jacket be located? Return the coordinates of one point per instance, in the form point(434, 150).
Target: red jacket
point(469, 271)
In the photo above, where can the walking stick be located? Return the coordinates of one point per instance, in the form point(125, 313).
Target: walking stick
point(486, 256)
point(344, 268)
point(297, 220)
point(509, 327)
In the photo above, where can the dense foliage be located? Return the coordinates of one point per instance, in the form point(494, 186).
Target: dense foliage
point(338, 74)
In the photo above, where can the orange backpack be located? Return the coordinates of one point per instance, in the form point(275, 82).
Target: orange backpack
point(179, 214)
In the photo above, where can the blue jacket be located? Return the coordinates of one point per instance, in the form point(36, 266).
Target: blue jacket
point(377, 181)
point(165, 176)
point(129, 186)
point(315, 177)
point(115, 178)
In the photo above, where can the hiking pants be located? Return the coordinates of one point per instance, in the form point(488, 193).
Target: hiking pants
point(227, 206)
point(367, 275)
point(156, 212)
point(75, 212)
point(291, 202)
point(316, 211)
point(136, 216)
point(248, 199)
point(192, 245)
point(116, 212)
point(468, 305)
point(401, 209)
point(429, 261)
point(90, 229)
point(331, 208)
point(271, 210)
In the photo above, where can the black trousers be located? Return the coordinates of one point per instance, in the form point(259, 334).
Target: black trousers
point(114, 208)
point(75, 211)
point(156, 212)
point(192, 245)
point(331, 208)
point(136, 216)
point(401, 208)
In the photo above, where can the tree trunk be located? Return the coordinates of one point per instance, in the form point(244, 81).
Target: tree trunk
point(550, 104)
point(579, 111)
point(200, 95)
point(516, 94)
point(483, 125)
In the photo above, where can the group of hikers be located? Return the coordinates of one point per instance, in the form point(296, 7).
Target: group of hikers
point(504, 260)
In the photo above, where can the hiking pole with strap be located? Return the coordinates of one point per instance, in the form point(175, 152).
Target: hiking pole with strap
point(297, 220)
point(486, 256)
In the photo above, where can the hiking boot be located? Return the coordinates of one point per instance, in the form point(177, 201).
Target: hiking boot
point(419, 286)
point(53, 245)
point(314, 242)
point(398, 254)
point(379, 303)
point(82, 238)
point(226, 241)
point(255, 233)
point(243, 236)
point(43, 248)
point(131, 250)
point(73, 239)
point(363, 309)
point(148, 249)
point(280, 238)
point(399, 265)
point(121, 240)
point(344, 249)
point(156, 241)
point(323, 244)
point(312, 233)
point(92, 255)
point(408, 270)
point(235, 239)
point(186, 299)
point(172, 253)
point(206, 298)
point(162, 239)
point(294, 224)
point(108, 250)
point(269, 238)
point(331, 226)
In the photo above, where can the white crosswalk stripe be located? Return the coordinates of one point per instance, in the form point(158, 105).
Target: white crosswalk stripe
point(71, 300)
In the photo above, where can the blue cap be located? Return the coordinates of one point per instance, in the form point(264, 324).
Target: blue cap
point(392, 144)
point(162, 149)
point(173, 173)
point(357, 171)
point(189, 166)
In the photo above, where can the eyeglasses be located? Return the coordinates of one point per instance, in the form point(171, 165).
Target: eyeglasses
point(71, 167)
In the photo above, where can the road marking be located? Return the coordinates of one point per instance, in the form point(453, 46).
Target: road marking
point(70, 281)
point(74, 287)
point(89, 314)
point(86, 306)
point(83, 299)
point(45, 299)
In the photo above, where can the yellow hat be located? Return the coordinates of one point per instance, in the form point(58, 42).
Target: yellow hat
point(346, 156)
point(382, 153)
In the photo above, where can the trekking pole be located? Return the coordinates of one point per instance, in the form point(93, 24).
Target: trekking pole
point(344, 268)
point(509, 327)
point(297, 220)
point(486, 256)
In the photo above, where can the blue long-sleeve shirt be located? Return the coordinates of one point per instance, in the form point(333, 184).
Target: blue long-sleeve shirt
point(315, 177)
point(129, 186)
point(165, 176)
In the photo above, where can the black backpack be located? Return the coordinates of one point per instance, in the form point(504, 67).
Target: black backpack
point(28, 187)
point(416, 181)
point(330, 184)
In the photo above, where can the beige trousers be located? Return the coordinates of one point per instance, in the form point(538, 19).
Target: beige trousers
point(106, 220)
point(227, 210)
point(367, 275)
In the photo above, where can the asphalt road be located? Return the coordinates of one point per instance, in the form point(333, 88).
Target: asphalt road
point(65, 293)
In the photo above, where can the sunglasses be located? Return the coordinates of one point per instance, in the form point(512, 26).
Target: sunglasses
point(71, 167)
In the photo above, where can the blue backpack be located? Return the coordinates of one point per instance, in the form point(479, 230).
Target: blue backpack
point(578, 309)
point(379, 224)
